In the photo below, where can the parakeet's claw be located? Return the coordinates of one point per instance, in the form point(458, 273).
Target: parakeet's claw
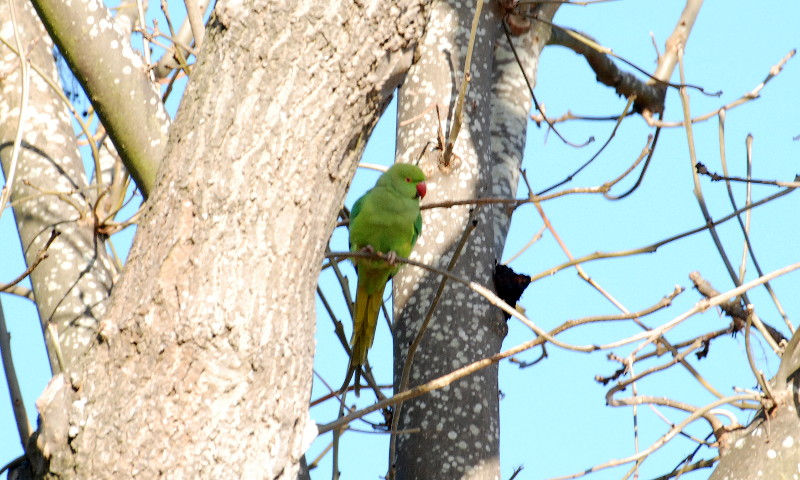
point(391, 257)
point(368, 249)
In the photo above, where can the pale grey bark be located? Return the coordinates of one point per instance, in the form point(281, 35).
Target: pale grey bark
point(115, 79)
point(511, 105)
point(769, 449)
point(770, 445)
point(203, 367)
point(50, 192)
point(457, 428)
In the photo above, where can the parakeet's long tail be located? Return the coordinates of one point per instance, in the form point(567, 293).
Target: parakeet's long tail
point(366, 318)
point(367, 307)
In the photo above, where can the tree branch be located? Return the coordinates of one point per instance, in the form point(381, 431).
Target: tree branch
point(39, 257)
point(113, 76)
point(648, 96)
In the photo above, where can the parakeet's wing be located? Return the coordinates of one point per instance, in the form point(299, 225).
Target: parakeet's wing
point(386, 218)
point(355, 211)
point(417, 229)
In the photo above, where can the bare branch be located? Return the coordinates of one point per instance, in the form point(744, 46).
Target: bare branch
point(703, 170)
point(112, 74)
point(17, 405)
point(39, 257)
point(648, 96)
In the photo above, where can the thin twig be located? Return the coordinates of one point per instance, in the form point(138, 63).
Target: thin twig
point(700, 464)
point(462, 93)
point(655, 246)
point(738, 313)
point(25, 79)
point(751, 95)
point(647, 337)
point(20, 292)
point(664, 439)
point(447, 379)
point(715, 177)
point(644, 168)
point(59, 92)
point(751, 361)
point(145, 46)
point(591, 159)
point(698, 190)
point(581, 272)
point(745, 228)
point(533, 96)
point(39, 258)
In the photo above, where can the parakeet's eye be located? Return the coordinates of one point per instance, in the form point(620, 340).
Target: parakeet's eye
point(408, 180)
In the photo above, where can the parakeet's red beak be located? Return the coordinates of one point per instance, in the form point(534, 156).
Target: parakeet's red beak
point(422, 189)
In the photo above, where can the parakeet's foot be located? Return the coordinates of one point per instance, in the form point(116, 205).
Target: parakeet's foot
point(391, 257)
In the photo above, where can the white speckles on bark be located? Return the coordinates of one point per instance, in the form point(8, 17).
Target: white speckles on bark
point(73, 283)
point(511, 104)
point(220, 374)
point(464, 328)
point(132, 125)
point(770, 452)
point(457, 334)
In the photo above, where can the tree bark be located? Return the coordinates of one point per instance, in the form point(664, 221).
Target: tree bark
point(203, 368)
point(49, 192)
point(769, 446)
point(457, 428)
point(115, 79)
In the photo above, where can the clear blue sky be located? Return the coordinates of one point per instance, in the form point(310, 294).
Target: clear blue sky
point(553, 416)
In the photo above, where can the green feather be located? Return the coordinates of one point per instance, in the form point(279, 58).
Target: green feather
point(387, 219)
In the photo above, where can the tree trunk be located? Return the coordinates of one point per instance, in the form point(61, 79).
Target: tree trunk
point(49, 191)
point(769, 447)
point(456, 429)
point(203, 368)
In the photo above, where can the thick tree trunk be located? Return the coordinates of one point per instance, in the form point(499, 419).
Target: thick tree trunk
point(204, 365)
point(49, 191)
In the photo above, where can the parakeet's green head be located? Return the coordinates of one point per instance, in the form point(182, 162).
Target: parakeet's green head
point(405, 178)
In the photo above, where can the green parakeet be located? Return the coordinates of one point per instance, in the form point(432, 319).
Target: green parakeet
point(386, 220)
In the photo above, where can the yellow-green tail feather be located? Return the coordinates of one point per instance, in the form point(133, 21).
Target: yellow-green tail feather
point(365, 319)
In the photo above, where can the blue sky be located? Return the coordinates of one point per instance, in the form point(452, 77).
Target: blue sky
point(553, 415)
